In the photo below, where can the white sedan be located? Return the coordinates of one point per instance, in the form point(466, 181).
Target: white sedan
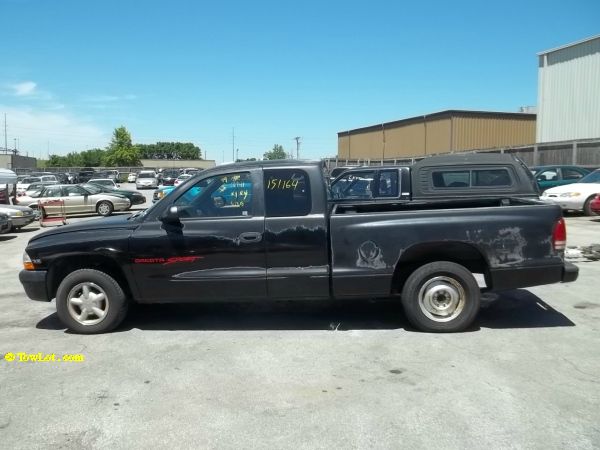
point(575, 196)
point(75, 199)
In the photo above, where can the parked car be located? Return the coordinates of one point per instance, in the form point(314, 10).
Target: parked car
point(20, 216)
point(146, 179)
point(576, 196)
point(551, 176)
point(134, 197)
point(169, 177)
point(76, 199)
point(5, 223)
point(161, 192)
point(107, 182)
point(85, 175)
point(131, 177)
point(23, 185)
point(181, 178)
point(35, 187)
point(277, 237)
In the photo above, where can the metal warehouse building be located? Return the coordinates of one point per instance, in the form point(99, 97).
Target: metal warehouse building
point(569, 92)
point(441, 132)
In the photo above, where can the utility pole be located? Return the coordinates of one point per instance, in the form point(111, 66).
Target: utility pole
point(237, 154)
point(233, 144)
point(5, 135)
point(297, 139)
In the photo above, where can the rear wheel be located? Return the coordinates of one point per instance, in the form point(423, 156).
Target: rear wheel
point(441, 297)
point(89, 301)
point(104, 208)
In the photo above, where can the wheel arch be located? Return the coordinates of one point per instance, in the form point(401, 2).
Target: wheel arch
point(465, 254)
point(60, 268)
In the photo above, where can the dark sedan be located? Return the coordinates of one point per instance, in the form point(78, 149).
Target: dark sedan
point(169, 177)
point(134, 197)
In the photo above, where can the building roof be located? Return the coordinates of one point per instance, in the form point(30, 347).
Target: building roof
point(572, 44)
point(440, 115)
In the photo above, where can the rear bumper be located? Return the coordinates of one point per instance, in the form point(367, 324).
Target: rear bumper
point(570, 272)
point(516, 278)
point(34, 283)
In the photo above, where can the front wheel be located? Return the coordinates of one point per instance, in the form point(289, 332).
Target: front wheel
point(105, 208)
point(441, 297)
point(89, 301)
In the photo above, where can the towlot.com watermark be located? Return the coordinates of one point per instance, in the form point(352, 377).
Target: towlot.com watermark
point(23, 357)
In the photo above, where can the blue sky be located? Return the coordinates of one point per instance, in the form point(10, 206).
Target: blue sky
point(71, 71)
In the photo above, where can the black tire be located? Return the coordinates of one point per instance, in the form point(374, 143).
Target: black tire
point(587, 207)
point(105, 208)
point(449, 284)
point(116, 301)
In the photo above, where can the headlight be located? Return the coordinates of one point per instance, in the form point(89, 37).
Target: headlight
point(570, 194)
point(18, 214)
point(27, 263)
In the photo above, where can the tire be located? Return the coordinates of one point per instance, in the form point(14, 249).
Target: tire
point(73, 289)
point(441, 297)
point(105, 208)
point(587, 207)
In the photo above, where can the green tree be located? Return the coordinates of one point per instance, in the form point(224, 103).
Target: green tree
point(121, 151)
point(276, 153)
point(170, 150)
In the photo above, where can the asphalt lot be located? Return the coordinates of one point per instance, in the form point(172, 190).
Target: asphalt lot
point(307, 376)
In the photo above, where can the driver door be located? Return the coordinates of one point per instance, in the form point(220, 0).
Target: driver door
point(215, 252)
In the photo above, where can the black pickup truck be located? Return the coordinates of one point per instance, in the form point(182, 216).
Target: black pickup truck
point(271, 230)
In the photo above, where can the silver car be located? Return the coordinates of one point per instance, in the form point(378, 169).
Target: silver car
point(19, 215)
point(75, 199)
point(146, 179)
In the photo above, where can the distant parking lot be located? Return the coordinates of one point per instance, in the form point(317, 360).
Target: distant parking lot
point(307, 375)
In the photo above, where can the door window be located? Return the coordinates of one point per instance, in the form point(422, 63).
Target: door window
point(354, 185)
point(287, 193)
point(52, 192)
point(571, 174)
point(73, 191)
point(219, 196)
point(548, 175)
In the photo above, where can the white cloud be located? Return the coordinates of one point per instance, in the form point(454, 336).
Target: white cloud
point(24, 88)
point(107, 98)
point(64, 132)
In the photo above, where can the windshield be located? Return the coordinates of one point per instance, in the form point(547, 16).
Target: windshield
point(593, 177)
point(146, 175)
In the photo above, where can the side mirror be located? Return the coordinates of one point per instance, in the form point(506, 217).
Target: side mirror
point(171, 215)
point(118, 185)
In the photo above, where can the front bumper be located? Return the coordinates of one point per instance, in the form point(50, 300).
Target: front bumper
point(566, 203)
point(34, 283)
point(21, 221)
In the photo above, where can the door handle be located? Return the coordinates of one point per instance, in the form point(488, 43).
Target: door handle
point(252, 236)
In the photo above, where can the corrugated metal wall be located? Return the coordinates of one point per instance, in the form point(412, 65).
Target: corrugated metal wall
point(471, 133)
point(426, 136)
point(569, 93)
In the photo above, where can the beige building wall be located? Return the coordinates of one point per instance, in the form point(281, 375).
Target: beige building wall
point(471, 133)
point(430, 135)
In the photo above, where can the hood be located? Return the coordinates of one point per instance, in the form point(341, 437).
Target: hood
point(586, 188)
point(102, 223)
point(5, 208)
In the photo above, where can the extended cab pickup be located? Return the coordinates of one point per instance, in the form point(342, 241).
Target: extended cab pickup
point(271, 230)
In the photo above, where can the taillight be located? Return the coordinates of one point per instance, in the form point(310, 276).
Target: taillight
point(559, 236)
